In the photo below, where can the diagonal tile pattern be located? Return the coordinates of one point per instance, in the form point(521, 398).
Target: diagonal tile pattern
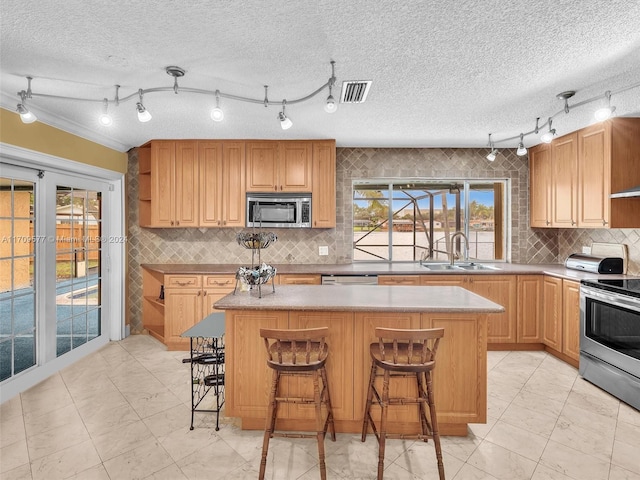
point(123, 413)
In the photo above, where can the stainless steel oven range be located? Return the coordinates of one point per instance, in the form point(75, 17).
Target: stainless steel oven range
point(610, 336)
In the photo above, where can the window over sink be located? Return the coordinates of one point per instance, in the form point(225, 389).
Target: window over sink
point(408, 220)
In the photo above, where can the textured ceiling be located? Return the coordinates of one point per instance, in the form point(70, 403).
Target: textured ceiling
point(442, 76)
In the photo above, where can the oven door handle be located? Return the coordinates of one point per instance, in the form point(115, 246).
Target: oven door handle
point(618, 300)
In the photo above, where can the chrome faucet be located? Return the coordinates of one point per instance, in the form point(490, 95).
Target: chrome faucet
point(466, 247)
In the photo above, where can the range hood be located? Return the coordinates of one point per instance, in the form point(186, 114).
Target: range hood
point(632, 192)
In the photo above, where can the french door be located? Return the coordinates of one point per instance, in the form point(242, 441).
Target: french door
point(53, 246)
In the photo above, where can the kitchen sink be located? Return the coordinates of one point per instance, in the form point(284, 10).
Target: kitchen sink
point(458, 266)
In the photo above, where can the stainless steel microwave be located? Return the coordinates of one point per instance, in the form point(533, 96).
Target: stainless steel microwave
point(279, 210)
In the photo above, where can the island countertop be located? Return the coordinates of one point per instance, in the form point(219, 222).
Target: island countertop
point(365, 298)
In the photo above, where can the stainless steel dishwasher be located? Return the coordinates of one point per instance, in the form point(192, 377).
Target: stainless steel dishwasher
point(349, 279)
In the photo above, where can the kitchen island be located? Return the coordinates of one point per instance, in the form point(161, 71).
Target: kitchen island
point(352, 313)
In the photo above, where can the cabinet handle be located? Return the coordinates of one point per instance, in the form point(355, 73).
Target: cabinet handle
point(604, 223)
point(204, 294)
point(548, 222)
point(172, 223)
point(183, 284)
point(218, 222)
point(198, 294)
point(275, 187)
point(224, 222)
point(177, 222)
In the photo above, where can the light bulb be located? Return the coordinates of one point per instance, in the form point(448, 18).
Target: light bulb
point(105, 120)
point(217, 115)
point(143, 113)
point(492, 155)
point(285, 122)
point(521, 150)
point(548, 136)
point(604, 113)
point(331, 105)
point(26, 115)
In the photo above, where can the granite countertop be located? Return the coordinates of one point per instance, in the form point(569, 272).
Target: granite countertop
point(380, 269)
point(364, 298)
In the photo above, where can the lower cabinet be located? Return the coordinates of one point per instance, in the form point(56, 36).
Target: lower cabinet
point(187, 300)
point(529, 316)
point(561, 316)
point(501, 289)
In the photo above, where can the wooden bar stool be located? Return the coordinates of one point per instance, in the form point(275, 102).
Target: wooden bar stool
point(400, 354)
point(300, 352)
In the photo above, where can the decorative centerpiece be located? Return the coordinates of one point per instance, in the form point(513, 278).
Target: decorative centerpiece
point(260, 273)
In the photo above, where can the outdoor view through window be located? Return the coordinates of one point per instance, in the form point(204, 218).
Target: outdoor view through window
point(404, 220)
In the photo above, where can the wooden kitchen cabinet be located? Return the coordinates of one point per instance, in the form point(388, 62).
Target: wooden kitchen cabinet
point(323, 190)
point(564, 181)
point(552, 313)
point(501, 289)
point(530, 304)
point(222, 184)
point(540, 185)
point(398, 279)
point(298, 279)
point(582, 170)
point(279, 166)
point(188, 298)
point(571, 319)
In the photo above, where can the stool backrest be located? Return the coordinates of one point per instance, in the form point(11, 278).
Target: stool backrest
point(306, 346)
point(409, 347)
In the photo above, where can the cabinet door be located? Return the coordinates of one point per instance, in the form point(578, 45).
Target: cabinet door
point(294, 167)
point(529, 321)
point(183, 308)
point(540, 185)
point(323, 206)
point(571, 319)
point(552, 313)
point(594, 150)
point(500, 289)
point(233, 184)
point(163, 207)
point(214, 288)
point(210, 158)
point(262, 166)
point(187, 184)
point(565, 181)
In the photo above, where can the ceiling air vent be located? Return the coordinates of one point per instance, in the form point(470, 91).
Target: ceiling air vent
point(355, 91)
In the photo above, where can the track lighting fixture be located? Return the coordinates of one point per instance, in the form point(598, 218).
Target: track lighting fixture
point(605, 113)
point(493, 153)
point(26, 115)
point(143, 113)
point(217, 115)
point(548, 136)
point(522, 150)
point(285, 122)
point(600, 115)
point(104, 118)
point(331, 106)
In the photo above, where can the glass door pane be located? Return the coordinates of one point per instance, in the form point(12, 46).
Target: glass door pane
point(78, 267)
point(17, 277)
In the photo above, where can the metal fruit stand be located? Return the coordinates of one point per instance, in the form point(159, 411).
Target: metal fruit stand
point(260, 273)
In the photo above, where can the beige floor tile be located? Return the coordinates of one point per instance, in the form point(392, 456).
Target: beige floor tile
point(20, 473)
point(38, 423)
point(420, 460)
point(460, 447)
point(469, 472)
point(217, 460)
point(137, 463)
point(494, 358)
point(106, 417)
point(539, 403)
point(35, 402)
point(12, 430)
point(501, 463)
point(121, 439)
point(481, 430)
point(97, 472)
point(626, 456)
point(356, 459)
point(13, 455)
point(628, 433)
point(607, 406)
point(520, 441)
point(56, 439)
point(619, 473)
point(172, 472)
point(169, 420)
point(65, 463)
point(574, 463)
point(183, 442)
point(545, 473)
point(247, 443)
point(11, 408)
point(629, 414)
point(530, 420)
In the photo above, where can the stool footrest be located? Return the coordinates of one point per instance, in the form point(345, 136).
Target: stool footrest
point(294, 435)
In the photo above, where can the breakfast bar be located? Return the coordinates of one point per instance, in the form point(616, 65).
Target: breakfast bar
point(352, 313)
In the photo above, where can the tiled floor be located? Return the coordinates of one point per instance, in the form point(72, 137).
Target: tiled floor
point(123, 413)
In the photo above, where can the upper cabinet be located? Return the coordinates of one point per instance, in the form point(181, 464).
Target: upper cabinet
point(582, 170)
point(203, 183)
point(279, 166)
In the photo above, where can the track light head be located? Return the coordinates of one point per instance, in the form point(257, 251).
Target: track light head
point(285, 122)
point(104, 118)
point(143, 113)
point(331, 105)
point(492, 155)
point(217, 115)
point(26, 115)
point(547, 137)
point(522, 150)
point(605, 113)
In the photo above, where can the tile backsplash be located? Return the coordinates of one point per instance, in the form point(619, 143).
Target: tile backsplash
point(202, 245)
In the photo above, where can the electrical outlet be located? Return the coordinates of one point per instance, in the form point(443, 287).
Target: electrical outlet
point(323, 250)
point(586, 250)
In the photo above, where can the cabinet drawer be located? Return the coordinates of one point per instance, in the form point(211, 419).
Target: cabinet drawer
point(298, 279)
point(398, 279)
point(223, 282)
point(178, 281)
